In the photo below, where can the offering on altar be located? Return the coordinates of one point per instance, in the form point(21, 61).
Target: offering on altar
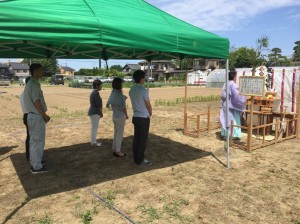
point(271, 94)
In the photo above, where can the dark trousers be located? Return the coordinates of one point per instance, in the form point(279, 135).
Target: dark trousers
point(27, 137)
point(141, 131)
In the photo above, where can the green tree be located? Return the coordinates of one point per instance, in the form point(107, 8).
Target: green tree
point(90, 72)
point(296, 54)
point(116, 67)
point(275, 55)
point(50, 65)
point(242, 57)
point(284, 61)
point(262, 45)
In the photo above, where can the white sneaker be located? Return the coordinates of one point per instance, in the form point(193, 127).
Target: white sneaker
point(97, 144)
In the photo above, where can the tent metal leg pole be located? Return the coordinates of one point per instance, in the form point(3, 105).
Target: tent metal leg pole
point(148, 72)
point(227, 116)
point(100, 60)
point(151, 69)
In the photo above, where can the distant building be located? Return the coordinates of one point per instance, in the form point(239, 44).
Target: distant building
point(204, 64)
point(129, 68)
point(5, 72)
point(19, 69)
point(161, 69)
point(164, 69)
point(66, 71)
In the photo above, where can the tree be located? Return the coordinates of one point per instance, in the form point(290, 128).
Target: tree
point(90, 72)
point(116, 67)
point(242, 57)
point(249, 57)
point(262, 45)
point(296, 54)
point(284, 61)
point(275, 55)
point(50, 65)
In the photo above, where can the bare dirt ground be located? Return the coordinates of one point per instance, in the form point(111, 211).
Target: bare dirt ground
point(187, 182)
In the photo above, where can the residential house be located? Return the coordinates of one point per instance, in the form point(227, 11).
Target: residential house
point(66, 71)
point(161, 69)
point(164, 69)
point(5, 72)
point(130, 68)
point(19, 69)
point(204, 64)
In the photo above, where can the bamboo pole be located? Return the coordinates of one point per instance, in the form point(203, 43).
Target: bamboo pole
point(231, 133)
point(185, 104)
point(282, 92)
point(287, 128)
point(293, 90)
point(208, 119)
point(272, 79)
point(298, 111)
point(227, 115)
point(198, 126)
point(250, 126)
point(249, 136)
point(276, 131)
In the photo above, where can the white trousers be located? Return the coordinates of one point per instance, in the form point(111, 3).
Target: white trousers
point(119, 124)
point(37, 132)
point(95, 118)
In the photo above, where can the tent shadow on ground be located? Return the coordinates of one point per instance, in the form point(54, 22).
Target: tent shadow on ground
point(82, 165)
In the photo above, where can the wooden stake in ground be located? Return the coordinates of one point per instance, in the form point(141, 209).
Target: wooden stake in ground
point(250, 126)
point(185, 104)
point(249, 136)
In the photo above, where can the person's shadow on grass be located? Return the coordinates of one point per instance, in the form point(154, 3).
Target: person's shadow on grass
point(75, 166)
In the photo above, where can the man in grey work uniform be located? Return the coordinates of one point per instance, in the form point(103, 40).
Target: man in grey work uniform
point(37, 118)
point(142, 111)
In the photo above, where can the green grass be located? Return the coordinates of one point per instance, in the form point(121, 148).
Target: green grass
point(150, 213)
point(110, 198)
point(86, 217)
point(45, 220)
point(178, 101)
point(171, 210)
point(76, 84)
point(64, 114)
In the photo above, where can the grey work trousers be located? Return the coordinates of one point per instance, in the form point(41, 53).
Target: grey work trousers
point(95, 119)
point(119, 125)
point(37, 132)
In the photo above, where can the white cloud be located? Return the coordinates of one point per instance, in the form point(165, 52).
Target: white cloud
point(218, 15)
point(295, 17)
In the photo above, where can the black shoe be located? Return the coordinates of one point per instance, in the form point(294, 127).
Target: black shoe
point(145, 162)
point(43, 162)
point(236, 139)
point(42, 170)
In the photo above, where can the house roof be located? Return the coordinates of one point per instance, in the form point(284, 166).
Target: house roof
point(133, 66)
point(4, 65)
point(155, 61)
point(66, 68)
point(18, 66)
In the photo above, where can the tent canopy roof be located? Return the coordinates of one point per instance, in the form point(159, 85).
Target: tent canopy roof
point(127, 29)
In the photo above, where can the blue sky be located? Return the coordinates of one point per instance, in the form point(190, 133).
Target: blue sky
point(242, 21)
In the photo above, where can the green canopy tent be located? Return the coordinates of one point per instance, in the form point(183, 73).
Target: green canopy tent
point(101, 29)
point(127, 29)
